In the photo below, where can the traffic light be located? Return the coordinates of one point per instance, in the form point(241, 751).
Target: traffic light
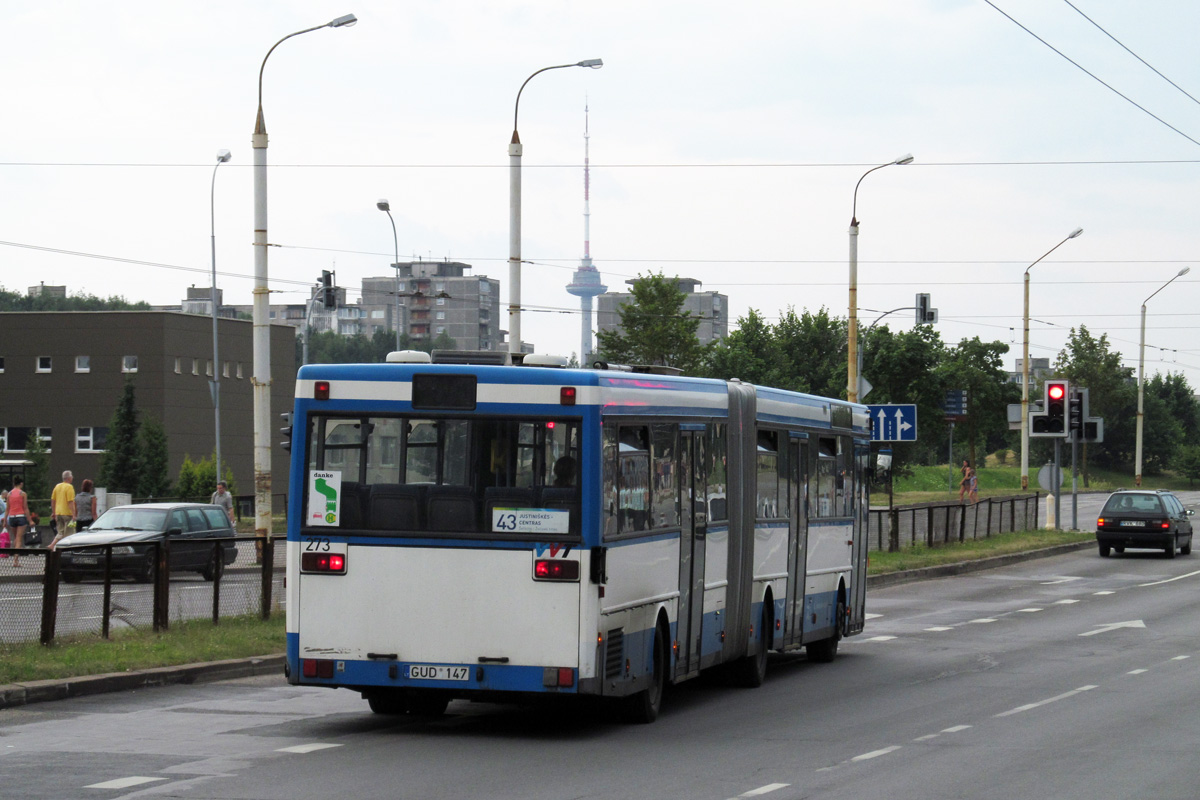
point(286, 430)
point(328, 290)
point(925, 315)
point(1056, 406)
point(1075, 412)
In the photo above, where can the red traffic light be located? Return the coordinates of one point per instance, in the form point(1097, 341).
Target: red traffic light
point(1055, 391)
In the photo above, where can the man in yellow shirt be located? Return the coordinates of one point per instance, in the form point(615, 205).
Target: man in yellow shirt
point(62, 503)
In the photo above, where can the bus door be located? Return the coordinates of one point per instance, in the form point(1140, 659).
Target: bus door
point(693, 522)
point(856, 614)
point(797, 472)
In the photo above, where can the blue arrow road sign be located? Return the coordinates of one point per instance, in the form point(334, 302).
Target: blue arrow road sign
point(893, 423)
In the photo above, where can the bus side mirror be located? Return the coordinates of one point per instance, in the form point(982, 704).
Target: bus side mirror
point(599, 569)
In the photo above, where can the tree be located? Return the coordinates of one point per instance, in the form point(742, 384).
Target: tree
point(198, 479)
point(655, 329)
point(815, 348)
point(1187, 462)
point(120, 467)
point(750, 353)
point(1112, 394)
point(154, 480)
point(37, 476)
point(977, 367)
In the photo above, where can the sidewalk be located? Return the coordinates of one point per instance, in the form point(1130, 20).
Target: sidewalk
point(19, 694)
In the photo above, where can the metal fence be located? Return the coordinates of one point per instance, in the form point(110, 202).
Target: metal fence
point(40, 601)
point(933, 524)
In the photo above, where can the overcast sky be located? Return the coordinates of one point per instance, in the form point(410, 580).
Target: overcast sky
point(726, 141)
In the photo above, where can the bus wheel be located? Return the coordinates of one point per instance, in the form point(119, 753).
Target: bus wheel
point(826, 649)
point(751, 671)
point(388, 702)
point(427, 704)
point(642, 708)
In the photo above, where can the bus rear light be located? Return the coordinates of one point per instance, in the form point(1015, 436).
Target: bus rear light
point(566, 396)
point(316, 667)
point(331, 563)
point(557, 569)
point(321, 390)
point(558, 677)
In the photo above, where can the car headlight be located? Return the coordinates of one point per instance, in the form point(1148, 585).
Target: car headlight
point(123, 550)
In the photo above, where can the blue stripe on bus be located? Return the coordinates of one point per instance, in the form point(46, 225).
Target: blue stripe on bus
point(482, 678)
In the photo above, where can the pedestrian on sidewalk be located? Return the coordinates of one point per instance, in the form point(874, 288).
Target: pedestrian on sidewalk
point(62, 505)
point(221, 497)
point(18, 515)
point(85, 506)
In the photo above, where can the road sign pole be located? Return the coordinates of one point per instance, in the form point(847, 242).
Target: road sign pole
point(1075, 479)
point(950, 460)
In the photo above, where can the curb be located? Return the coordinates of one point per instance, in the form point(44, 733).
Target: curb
point(19, 694)
point(964, 567)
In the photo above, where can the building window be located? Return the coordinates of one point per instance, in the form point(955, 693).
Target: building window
point(225, 370)
point(439, 287)
point(16, 440)
point(90, 440)
point(128, 363)
point(441, 329)
point(45, 364)
point(208, 367)
point(178, 365)
point(377, 313)
point(83, 363)
point(485, 287)
point(441, 301)
point(441, 315)
point(1, 364)
point(239, 371)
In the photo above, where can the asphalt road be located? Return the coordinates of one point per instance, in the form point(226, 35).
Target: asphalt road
point(1068, 677)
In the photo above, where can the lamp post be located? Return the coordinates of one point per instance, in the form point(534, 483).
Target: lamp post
point(383, 205)
point(1025, 367)
point(852, 332)
point(261, 324)
point(1137, 472)
point(222, 157)
point(514, 212)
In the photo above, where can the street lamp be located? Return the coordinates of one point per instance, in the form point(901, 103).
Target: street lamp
point(1025, 368)
point(852, 332)
point(222, 157)
point(1137, 471)
point(261, 324)
point(383, 205)
point(514, 212)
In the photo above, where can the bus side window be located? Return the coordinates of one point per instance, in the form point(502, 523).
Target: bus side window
point(609, 479)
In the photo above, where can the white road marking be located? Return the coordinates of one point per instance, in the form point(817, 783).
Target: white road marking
point(939, 629)
point(876, 753)
point(981, 621)
point(306, 748)
point(927, 737)
point(770, 787)
point(873, 616)
point(1047, 701)
point(1169, 580)
point(1060, 580)
point(1136, 671)
point(124, 783)
point(1112, 626)
point(1066, 602)
point(1027, 610)
point(1103, 593)
point(879, 639)
point(956, 729)
point(1180, 658)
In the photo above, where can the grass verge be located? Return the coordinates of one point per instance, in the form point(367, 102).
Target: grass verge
point(185, 643)
point(971, 550)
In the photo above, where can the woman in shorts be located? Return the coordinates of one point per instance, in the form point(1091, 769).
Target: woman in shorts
point(18, 515)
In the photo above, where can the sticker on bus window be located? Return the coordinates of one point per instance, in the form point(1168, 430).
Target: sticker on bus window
point(530, 520)
point(324, 497)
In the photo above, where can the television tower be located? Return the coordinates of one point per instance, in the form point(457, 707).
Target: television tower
point(585, 283)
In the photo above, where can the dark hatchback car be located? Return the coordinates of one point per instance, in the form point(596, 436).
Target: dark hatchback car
point(1144, 519)
point(132, 528)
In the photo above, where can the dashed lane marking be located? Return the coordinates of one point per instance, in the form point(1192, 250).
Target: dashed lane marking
point(1065, 601)
point(770, 787)
point(1047, 701)
point(879, 639)
point(981, 621)
point(124, 783)
point(1103, 593)
point(1027, 610)
point(307, 748)
point(1136, 671)
point(1180, 658)
point(876, 753)
point(873, 616)
point(1169, 580)
point(939, 629)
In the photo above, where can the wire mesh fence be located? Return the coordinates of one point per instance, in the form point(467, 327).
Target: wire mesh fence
point(103, 590)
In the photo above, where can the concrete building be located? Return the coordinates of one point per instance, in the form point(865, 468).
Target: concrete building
point(62, 374)
point(1039, 369)
point(710, 307)
point(436, 297)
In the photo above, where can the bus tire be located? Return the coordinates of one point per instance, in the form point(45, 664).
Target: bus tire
point(643, 707)
point(388, 702)
point(751, 671)
point(825, 650)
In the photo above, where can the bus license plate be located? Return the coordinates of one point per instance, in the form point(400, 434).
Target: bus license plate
point(1132, 523)
point(430, 672)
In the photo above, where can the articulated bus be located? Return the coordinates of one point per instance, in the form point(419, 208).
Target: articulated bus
point(496, 532)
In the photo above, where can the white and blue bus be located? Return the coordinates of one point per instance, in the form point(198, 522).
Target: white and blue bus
point(461, 530)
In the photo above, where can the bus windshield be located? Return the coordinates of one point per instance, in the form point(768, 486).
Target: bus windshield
point(410, 473)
